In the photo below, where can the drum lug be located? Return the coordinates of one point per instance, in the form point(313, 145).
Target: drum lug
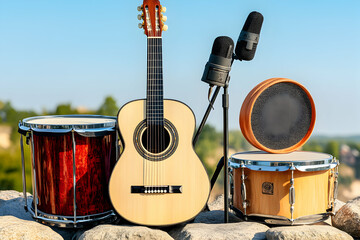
point(231, 186)
point(292, 196)
point(23, 171)
point(243, 191)
point(336, 183)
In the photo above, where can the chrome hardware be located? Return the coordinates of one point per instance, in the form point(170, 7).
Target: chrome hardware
point(330, 199)
point(292, 195)
point(108, 124)
point(231, 186)
point(140, 8)
point(140, 17)
point(243, 190)
point(141, 25)
point(74, 174)
point(68, 221)
point(116, 145)
point(35, 198)
point(23, 170)
point(336, 183)
point(271, 165)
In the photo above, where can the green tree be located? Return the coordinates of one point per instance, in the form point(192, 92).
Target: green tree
point(209, 140)
point(313, 146)
point(237, 141)
point(109, 107)
point(65, 109)
point(333, 148)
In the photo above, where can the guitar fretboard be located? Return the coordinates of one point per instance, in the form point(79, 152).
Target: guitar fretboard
point(154, 96)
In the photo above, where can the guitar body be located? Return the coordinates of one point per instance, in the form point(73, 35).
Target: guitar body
point(177, 165)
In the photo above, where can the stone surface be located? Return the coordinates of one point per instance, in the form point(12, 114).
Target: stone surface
point(12, 203)
point(217, 204)
point(109, 232)
point(212, 217)
point(347, 218)
point(241, 230)
point(317, 232)
point(12, 228)
point(338, 204)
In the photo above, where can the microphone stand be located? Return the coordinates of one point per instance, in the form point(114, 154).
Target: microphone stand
point(225, 104)
point(224, 159)
point(206, 115)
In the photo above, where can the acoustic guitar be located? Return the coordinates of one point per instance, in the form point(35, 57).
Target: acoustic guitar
point(158, 180)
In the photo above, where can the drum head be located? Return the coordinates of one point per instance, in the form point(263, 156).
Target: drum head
point(300, 160)
point(278, 116)
point(57, 123)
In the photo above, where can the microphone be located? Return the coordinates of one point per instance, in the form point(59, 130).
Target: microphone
point(249, 37)
point(219, 65)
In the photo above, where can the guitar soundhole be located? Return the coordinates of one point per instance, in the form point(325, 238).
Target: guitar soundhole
point(156, 143)
point(155, 139)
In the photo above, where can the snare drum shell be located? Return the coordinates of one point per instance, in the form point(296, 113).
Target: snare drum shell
point(94, 161)
point(312, 192)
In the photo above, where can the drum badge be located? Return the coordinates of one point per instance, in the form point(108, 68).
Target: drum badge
point(268, 188)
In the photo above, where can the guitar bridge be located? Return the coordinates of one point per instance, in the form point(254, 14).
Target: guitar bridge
point(156, 189)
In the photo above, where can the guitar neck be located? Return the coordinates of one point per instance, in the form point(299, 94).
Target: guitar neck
point(154, 96)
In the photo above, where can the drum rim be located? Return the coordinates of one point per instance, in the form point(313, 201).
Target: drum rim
point(273, 165)
point(26, 126)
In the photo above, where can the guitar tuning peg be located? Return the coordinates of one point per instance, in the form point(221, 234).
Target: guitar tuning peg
point(165, 28)
point(163, 9)
point(164, 18)
point(140, 16)
point(141, 25)
point(140, 8)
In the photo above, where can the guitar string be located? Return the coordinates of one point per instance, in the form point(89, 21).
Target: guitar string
point(147, 120)
point(155, 114)
point(153, 163)
point(162, 109)
point(152, 118)
point(157, 125)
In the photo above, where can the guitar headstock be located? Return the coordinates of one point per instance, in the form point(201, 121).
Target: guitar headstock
point(153, 19)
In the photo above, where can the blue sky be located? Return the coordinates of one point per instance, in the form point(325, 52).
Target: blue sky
point(78, 52)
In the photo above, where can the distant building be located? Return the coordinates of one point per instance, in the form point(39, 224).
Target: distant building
point(5, 132)
point(350, 157)
point(82, 110)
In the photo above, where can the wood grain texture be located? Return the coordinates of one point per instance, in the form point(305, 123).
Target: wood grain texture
point(311, 192)
point(95, 158)
point(182, 168)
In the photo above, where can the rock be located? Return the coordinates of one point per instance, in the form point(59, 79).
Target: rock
point(338, 204)
point(347, 218)
point(109, 232)
point(241, 230)
point(307, 232)
point(12, 228)
point(217, 204)
point(12, 203)
point(216, 216)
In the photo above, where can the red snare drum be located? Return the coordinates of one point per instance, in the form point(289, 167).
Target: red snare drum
point(72, 159)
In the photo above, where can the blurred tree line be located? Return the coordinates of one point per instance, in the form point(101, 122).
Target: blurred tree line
point(208, 147)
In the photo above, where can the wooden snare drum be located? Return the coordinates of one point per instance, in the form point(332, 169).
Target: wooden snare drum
point(72, 157)
point(285, 189)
